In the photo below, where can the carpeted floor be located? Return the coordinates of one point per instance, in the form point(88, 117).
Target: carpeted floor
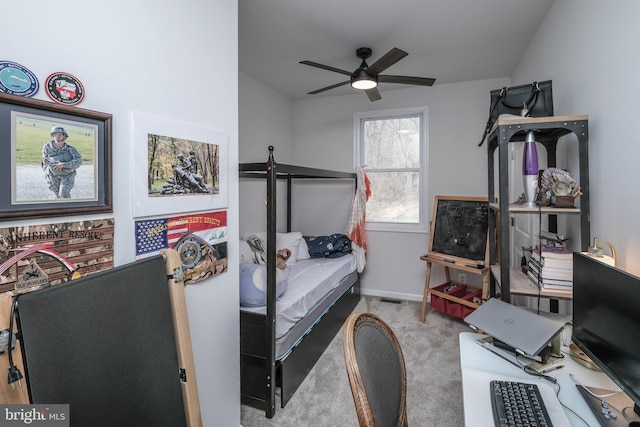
point(434, 390)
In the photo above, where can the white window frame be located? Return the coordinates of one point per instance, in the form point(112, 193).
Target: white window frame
point(422, 226)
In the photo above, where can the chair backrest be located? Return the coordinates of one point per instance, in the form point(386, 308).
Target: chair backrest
point(376, 370)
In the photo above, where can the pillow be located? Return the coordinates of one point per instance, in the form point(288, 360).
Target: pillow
point(253, 284)
point(303, 250)
point(289, 241)
point(333, 246)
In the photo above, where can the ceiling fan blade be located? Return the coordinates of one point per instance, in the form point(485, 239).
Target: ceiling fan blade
point(373, 94)
point(328, 88)
point(326, 67)
point(390, 58)
point(422, 81)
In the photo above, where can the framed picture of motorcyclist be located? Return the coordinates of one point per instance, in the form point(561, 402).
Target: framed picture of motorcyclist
point(178, 167)
point(58, 162)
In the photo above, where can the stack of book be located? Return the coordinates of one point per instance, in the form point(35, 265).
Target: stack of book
point(551, 268)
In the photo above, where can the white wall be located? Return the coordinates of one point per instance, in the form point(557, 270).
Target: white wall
point(267, 120)
point(587, 47)
point(162, 58)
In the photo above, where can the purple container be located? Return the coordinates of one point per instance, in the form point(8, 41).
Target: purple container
point(530, 156)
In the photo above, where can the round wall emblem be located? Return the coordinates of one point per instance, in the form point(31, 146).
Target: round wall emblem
point(17, 80)
point(64, 88)
point(190, 252)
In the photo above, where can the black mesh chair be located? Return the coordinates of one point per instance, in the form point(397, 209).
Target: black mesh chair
point(376, 370)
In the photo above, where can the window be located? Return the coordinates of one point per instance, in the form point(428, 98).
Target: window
point(392, 146)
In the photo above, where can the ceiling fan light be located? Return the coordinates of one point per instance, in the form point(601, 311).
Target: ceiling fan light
point(364, 81)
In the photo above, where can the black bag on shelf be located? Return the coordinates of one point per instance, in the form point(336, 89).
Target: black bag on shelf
point(530, 100)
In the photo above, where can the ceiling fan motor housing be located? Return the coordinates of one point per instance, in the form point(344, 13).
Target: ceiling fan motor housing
point(361, 76)
point(363, 53)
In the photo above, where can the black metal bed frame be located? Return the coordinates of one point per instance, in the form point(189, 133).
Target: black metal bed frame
point(260, 372)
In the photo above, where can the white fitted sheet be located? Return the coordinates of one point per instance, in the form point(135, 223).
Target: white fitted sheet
point(309, 281)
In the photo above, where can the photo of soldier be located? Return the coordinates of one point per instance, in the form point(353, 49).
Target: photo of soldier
point(60, 162)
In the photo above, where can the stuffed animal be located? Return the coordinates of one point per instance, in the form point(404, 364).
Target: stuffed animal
point(281, 258)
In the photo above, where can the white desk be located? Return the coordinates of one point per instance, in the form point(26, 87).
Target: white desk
point(480, 366)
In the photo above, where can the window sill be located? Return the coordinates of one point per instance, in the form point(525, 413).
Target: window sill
point(397, 228)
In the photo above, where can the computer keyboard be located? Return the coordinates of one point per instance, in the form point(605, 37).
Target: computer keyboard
point(518, 404)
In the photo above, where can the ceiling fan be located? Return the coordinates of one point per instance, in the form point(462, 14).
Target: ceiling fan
point(367, 77)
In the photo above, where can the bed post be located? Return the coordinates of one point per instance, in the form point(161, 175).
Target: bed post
point(270, 362)
point(289, 192)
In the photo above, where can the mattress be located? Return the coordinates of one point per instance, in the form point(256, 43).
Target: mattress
point(309, 283)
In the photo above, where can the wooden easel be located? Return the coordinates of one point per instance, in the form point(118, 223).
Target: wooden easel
point(458, 240)
point(183, 338)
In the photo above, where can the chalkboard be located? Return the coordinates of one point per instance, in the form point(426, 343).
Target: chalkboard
point(459, 229)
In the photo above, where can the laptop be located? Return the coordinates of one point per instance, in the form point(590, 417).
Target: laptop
point(527, 332)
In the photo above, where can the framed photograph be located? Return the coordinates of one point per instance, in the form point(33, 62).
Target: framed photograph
point(177, 167)
point(57, 159)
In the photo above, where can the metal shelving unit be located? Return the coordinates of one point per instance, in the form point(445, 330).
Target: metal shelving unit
point(548, 131)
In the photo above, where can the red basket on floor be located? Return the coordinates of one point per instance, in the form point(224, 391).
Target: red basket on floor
point(460, 310)
point(439, 303)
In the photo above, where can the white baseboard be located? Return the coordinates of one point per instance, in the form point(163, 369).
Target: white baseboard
point(391, 295)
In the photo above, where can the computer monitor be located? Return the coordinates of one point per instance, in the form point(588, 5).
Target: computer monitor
point(606, 321)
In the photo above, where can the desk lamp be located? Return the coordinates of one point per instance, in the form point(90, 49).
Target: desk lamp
point(597, 252)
